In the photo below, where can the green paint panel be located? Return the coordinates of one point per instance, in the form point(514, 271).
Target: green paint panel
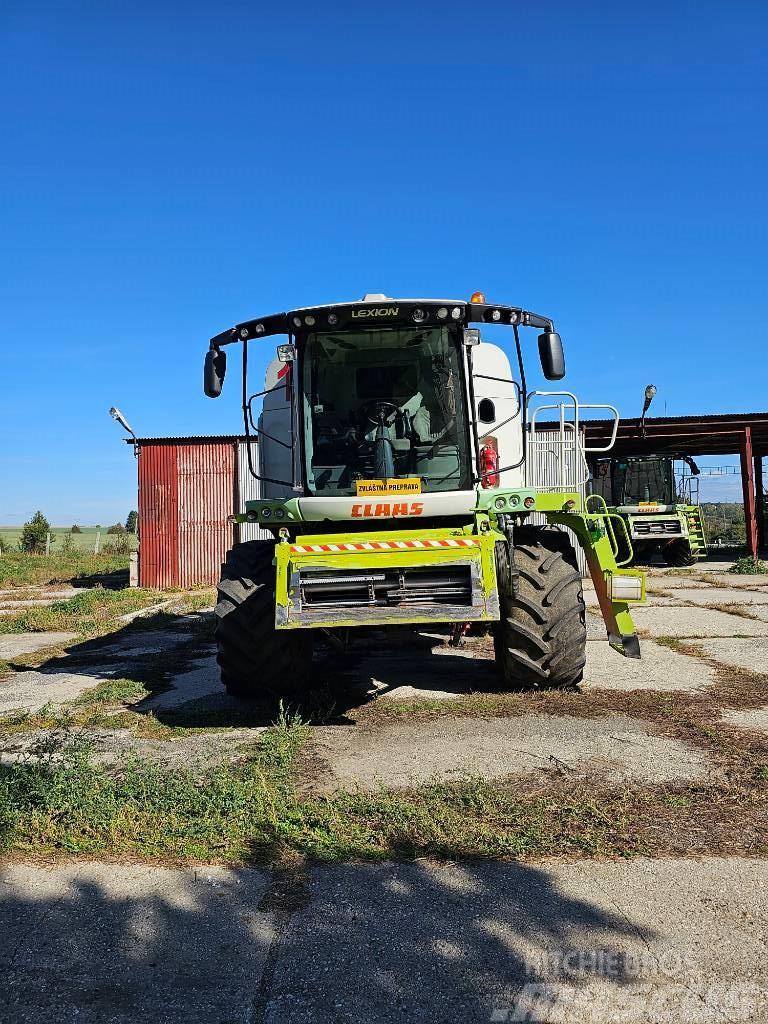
point(292, 558)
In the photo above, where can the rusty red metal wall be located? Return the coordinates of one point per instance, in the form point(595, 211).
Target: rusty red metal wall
point(186, 492)
point(206, 474)
point(158, 520)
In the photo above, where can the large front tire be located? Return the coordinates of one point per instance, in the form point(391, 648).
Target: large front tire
point(541, 637)
point(255, 659)
point(678, 553)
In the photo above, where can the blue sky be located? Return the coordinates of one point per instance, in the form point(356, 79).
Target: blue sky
point(169, 169)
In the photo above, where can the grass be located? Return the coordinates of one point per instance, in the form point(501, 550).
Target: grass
point(267, 808)
point(19, 569)
point(264, 809)
point(91, 613)
point(60, 801)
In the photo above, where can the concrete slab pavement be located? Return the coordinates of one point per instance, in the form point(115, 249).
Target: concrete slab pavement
point(405, 753)
point(673, 583)
point(757, 611)
point(14, 644)
point(719, 595)
point(681, 942)
point(668, 940)
point(682, 622)
point(754, 718)
point(659, 669)
point(71, 677)
point(738, 652)
point(746, 581)
point(97, 943)
point(32, 690)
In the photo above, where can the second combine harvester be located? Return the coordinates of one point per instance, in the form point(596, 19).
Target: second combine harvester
point(397, 456)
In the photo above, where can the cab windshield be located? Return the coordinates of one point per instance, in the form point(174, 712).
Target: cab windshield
point(384, 404)
point(644, 480)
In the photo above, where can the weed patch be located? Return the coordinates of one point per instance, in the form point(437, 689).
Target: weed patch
point(90, 613)
point(58, 799)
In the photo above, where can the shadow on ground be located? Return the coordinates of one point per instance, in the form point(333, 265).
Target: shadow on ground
point(173, 657)
point(371, 665)
point(117, 580)
point(356, 943)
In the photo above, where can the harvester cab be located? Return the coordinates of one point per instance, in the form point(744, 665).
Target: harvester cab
point(402, 465)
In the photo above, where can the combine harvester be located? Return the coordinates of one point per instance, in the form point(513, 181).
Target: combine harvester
point(395, 449)
point(659, 506)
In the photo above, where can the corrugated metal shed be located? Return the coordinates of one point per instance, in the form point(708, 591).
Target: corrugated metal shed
point(188, 487)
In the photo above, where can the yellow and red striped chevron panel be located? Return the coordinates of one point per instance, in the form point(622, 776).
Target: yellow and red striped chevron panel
point(384, 545)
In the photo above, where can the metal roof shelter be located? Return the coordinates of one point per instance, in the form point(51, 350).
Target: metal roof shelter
point(743, 434)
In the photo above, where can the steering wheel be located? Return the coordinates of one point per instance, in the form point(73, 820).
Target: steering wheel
point(386, 412)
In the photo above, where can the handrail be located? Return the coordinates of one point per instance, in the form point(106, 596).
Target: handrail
point(614, 431)
point(607, 518)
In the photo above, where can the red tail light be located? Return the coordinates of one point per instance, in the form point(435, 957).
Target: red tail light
point(489, 463)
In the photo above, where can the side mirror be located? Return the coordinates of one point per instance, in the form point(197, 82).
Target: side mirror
point(214, 372)
point(551, 355)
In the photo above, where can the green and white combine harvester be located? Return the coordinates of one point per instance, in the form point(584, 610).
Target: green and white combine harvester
point(400, 463)
point(659, 506)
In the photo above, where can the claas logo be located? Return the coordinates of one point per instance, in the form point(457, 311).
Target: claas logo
point(387, 509)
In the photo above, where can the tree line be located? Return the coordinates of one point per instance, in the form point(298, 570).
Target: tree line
point(35, 532)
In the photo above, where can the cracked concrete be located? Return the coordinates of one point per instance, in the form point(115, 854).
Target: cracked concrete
point(721, 595)
point(752, 718)
point(405, 753)
point(198, 751)
point(14, 644)
point(738, 652)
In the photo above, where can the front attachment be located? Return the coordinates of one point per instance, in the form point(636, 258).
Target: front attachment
point(617, 588)
point(375, 579)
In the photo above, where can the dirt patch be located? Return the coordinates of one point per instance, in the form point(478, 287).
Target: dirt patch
point(402, 754)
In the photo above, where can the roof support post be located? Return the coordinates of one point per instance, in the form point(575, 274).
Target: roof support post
point(748, 489)
point(760, 500)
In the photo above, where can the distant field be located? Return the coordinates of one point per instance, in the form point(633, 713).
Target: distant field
point(84, 541)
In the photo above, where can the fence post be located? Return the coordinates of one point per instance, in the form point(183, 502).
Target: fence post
point(97, 545)
point(48, 543)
